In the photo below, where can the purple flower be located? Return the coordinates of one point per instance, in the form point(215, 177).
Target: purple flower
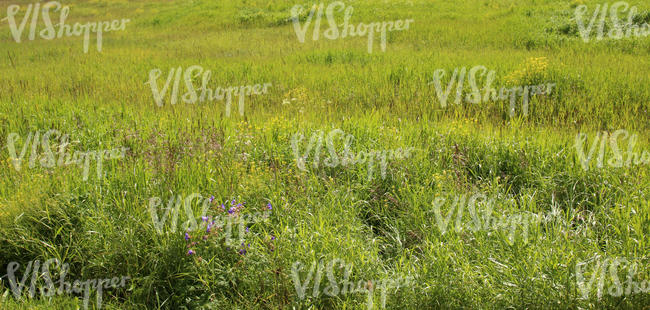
point(242, 252)
point(233, 202)
point(209, 228)
point(272, 237)
point(223, 207)
point(191, 252)
point(211, 198)
point(231, 210)
point(268, 206)
point(204, 218)
point(246, 229)
point(187, 236)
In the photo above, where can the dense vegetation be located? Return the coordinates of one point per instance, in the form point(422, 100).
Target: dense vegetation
point(385, 226)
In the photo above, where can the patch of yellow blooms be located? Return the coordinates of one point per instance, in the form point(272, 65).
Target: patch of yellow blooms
point(533, 67)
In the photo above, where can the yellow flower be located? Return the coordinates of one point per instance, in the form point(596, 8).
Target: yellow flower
point(533, 67)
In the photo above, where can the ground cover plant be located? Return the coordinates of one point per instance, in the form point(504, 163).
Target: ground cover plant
point(346, 169)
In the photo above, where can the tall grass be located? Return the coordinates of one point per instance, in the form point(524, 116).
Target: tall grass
point(383, 226)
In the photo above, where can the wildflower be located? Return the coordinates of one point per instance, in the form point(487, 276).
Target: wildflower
point(204, 218)
point(231, 210)
point(272, 237)
point(268, 206)
point(191, 252)
point(246, 229)
point(242, 252)
point(223, 207)
point(233, 202)
point(187, 236)
point(209, 228)
point(211, 198)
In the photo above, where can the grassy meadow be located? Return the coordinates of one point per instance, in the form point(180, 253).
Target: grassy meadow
point(384, 226)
